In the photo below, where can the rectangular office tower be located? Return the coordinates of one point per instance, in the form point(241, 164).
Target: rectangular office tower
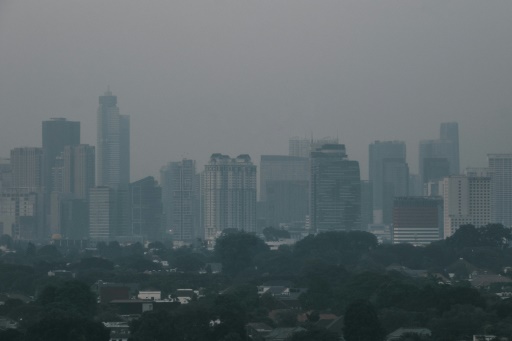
point(389, 177)
point(302, 146)
point(335, 190)
point(229, 195)
point(500, 166)
point(467, 200)
point(146, 209)
point(417, 220)
point(284, 189)
point(27, 168)
point(449, 131)
point(103, 214)
point(180, 196)
point(113, 144)
point(57, 133)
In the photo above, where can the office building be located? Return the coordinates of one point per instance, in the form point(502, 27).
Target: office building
point(113, 144)
point(146, 209)
point(417, 220)
point(27, 168)
point(284, 189)
point(229, 195)
point(467, 200)
point(57, 133)
point(335, 190)
point(180, 196)
point(500, 167)
point(449, 131)
point(302, 146)
point(389, 175)
point(103, 213)
point(5, 174)
point(21, 213)
point(78, 170)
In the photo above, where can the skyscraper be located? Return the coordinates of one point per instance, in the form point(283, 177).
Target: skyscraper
point(335, 190)
point(229, 190)
point(27, 168)
point(389, 176)
point(440, 158)
point(103, 213)
point(113, 144)
point(449, 131)
point(180, 193)
point(57, 133)
point(500, 166)
point(467, 200)
point(146, 209)
point(302, 146)
point(78, 170)
point(284, 189)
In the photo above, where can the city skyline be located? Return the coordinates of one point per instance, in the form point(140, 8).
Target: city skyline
point(360, 71)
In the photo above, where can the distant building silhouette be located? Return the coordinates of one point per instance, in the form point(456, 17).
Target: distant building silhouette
point(302, 146)
point(389, 176)
point(27, 168)
point(146, 209)
point(284, 189)
point(57, 134)
point(335, 194)
point(229, 195)
point(440, 158)
point(113, 144)
point(500, 166)
point(180, 194)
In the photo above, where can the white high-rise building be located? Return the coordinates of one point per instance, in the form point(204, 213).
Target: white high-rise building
point(467, 200)
point(113, 144)
point(500, 166)
point(229, 195)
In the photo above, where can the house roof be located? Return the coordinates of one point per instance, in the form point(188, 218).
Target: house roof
point(401, 331)
point(283, 333)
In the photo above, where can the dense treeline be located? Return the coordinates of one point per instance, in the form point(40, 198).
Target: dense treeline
point(346, 273)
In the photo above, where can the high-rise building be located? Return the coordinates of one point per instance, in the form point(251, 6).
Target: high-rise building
point(449, 131)
point(27, 168)
point(440, 158)
point(103, 213)
point(180, 194)
point(284, 189)
point(21, 213)
point(417, 220)
point(302, 146)
point(500, 166)
point(57, 133)
point(434, 160)
point(229, 190)
point(467, 200)
point(113, 144)
point(5, 174)
point(78, 170)
point(389, 175)
point(146, 209)
point(335, 190)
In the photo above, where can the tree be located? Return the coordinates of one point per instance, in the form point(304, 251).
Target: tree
point(62, 327)
point(362, 323)
point(237, 250)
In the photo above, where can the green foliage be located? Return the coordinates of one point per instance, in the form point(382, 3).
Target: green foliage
point(314, 334)
point(62, 327)
point(237, 251)
point(362, 323)
point(72, 297)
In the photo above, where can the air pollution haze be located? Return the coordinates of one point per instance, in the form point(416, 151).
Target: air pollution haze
point(233, 77)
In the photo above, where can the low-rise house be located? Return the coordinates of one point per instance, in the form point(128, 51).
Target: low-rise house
point(281, 334)
point(149, 295)
point(257, 331)
point(119, 331)
point(397, 334)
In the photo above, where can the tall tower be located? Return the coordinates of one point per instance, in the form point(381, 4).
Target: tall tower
point(27, 163)
point(335, 190)
point(449, 131)
point(389, 177)
point(500, 166)
point(78, 170)
point(181, 199)
point(57, 133)
point(146, 209)
point(113, 144)
point(229, 195)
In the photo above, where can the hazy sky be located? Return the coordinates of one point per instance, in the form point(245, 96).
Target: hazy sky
point(199, 77)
